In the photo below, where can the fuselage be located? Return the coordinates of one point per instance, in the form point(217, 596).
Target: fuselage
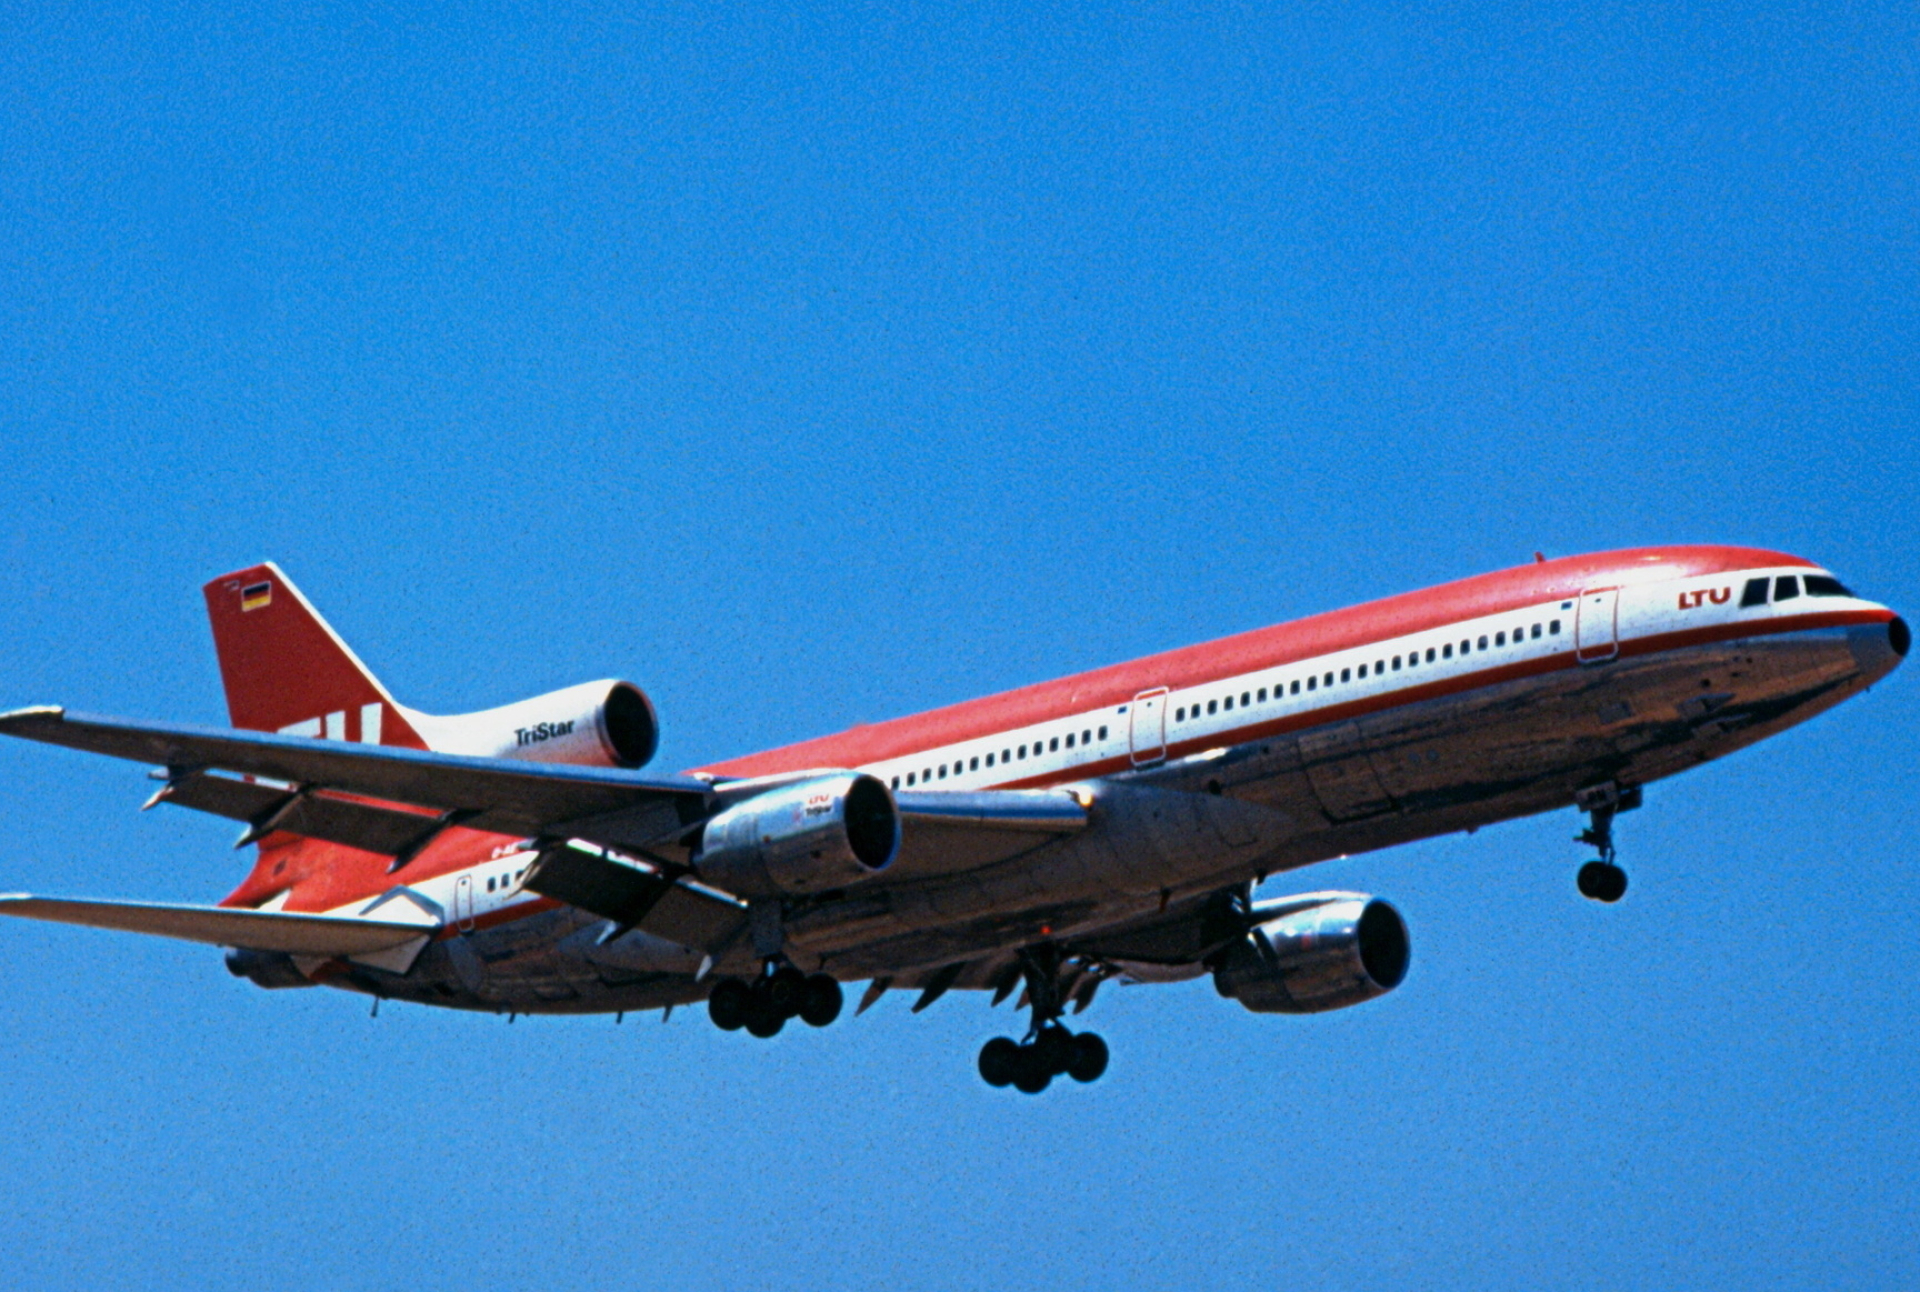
point(1512, 693)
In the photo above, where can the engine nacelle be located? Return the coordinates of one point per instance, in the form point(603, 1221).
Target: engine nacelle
point(804, 837)
point(1319, 951)
point(595, 724)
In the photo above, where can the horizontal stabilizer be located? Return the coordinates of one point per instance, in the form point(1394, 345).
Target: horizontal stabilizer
point(295, 934)
point(498, 795)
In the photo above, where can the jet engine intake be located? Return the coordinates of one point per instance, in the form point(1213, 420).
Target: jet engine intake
point(594, 724)
point(1321, 951)
point(805, 837)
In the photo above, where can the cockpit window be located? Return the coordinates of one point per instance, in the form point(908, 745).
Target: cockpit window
point(1786, 587)
point(1825, 585)
point(1755, 594)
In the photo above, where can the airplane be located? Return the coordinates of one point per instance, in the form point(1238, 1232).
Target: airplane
point(1109, 826)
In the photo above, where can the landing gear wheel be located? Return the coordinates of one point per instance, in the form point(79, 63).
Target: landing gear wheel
point(765, 1024)
point(1053, 1050)
point(1602, 881)
point(785, 987)
point(729, 1004)
point(1031, 1074)
point(999, 1062)
point(1089, 1059)
point(820, 1001)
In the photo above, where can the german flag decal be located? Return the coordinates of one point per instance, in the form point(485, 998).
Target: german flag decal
point(256, 596)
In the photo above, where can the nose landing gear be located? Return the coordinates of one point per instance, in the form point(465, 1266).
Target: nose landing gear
point(1602, 879)
point(1049, 1049)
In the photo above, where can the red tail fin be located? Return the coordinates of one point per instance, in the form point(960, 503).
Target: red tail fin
point(286, 670)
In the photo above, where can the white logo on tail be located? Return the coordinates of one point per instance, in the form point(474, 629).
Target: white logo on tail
point(334, 725)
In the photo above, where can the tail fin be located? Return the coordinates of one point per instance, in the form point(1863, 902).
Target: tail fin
point(286, 670)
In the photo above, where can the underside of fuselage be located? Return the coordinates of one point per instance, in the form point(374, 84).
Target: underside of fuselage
point(1259, 807)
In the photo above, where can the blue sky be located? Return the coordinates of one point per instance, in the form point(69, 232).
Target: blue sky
point(818, 366)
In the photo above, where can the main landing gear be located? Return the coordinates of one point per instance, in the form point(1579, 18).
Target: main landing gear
point(1602, 879)
point(781, 992)
point(1049, 1049)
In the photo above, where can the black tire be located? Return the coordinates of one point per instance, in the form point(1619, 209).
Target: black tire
point(821, 1000)
point(1031, 1074)
point(999, 1062)
point(1602, 881)
point(786, 987)
point(729, 1004)
point(1053, 1049)
point(1090, 1056)
point(764, 1024)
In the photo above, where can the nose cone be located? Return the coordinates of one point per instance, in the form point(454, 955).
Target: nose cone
point(1879, 648)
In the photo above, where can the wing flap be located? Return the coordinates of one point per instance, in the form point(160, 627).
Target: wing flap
point(296, 934)
point(637, 894)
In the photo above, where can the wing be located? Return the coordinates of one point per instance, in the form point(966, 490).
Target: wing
point(605, 805)
point(301, 935)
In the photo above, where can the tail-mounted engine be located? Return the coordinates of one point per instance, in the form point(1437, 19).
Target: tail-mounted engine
point(595, 724)
point(1316, 952)
point(805, 837)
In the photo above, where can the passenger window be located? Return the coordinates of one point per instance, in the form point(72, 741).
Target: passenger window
point(1103, 733)
point(1327, 680)
point(1536, 632)
point(1262, 697)
point(489, 885)
point(1553, 629)
point(1179, 715)
point(1499, 639)
point(1086, 738)
point(1825, 585)
point(1482, 643)
point(1466, 647)
point(1446, 652)
point(1229, 704)
point(1006, 756)
point(1786, 588)
point(973, 764)
point(1023, 751)
point(1346, 675)
point(989, 760)
point(1312, 682)
point(1295, 688)
point(909, 778)
point(1054, 744)
point(1213, 706)
point(1429, 654)
point(1396, 663)
point(1069, 740)
point(1363, 670)
point(1244, 697)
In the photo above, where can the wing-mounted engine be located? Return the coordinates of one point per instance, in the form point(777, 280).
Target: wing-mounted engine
point(1313, 953)
point(594, 724)
point(803, 837)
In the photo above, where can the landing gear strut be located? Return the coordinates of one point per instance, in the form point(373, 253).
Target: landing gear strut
point(781, 992)
point(1049, 1049)
point(1602, 879)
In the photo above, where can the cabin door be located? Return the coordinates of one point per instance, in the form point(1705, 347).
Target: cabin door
point(1147, 726)
point(1596, 626)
